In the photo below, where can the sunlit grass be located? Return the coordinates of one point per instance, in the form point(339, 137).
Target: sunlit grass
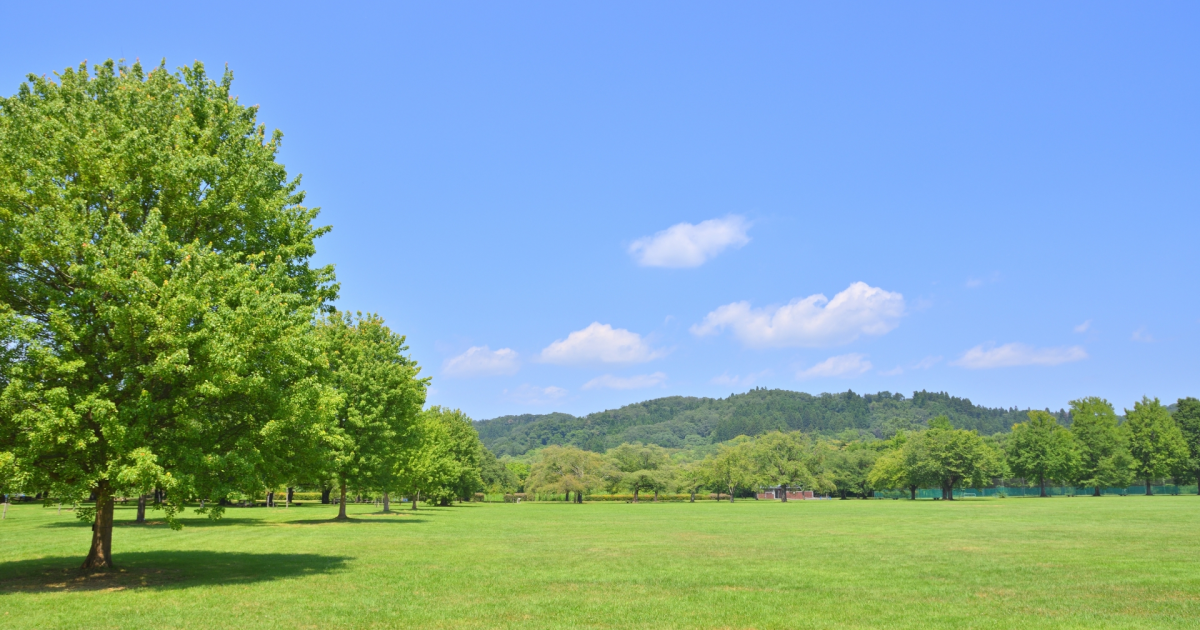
point(1000, 563)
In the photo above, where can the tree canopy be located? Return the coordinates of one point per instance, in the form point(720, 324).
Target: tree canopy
point(157, 298)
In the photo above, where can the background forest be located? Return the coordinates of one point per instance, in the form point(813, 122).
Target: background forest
point(686, 422)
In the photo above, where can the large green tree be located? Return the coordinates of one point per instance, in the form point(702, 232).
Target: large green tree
point(567, 469)
point(444, 461)
point(907, 465)
point(957, 457)
point(641, 467)
point(1187, 416)
point(1104, 459)
point(379, 397)
point(850, 469)
point(156, 300)
point(1040, 448)
point(781, 459)
point(1155, 441)
point(732, 468)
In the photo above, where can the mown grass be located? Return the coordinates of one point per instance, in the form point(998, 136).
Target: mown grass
point(1130, 562)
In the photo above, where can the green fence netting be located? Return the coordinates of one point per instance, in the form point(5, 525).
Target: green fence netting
point(1018, 491)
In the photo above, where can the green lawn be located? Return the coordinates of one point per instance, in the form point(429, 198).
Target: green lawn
point(998, 563)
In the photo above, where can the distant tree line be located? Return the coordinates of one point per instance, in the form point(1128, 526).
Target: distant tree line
point(686, 422)
point(1097, 451)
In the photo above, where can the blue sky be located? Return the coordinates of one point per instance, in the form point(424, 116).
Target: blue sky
point(570, 208)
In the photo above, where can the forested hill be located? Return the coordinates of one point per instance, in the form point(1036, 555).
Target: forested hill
point(679, 421)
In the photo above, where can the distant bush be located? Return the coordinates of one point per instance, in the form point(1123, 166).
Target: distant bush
point(306, 496)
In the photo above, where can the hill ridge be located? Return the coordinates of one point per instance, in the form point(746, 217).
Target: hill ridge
point(687, 421)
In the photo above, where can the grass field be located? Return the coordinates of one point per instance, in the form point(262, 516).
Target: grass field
point(1127, 562)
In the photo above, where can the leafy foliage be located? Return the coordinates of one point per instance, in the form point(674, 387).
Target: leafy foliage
point(1042, 449)
point(156, 298)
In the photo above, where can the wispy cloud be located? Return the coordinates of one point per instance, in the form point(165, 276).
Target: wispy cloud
point(986, 356)
point(1141, 336)
point(482, 361)
point(642, 381)
point(744, 381)
point(600, 343)
point(923, 364)
point(814, 321)
point(1082, 328)
point(532, 395)
point(845, 365)
point(687, 245)
point(975, 283)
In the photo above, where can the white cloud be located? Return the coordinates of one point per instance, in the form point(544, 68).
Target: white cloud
point(687, 245)
point(923, 364)
point(987, 356)
point(531, 395)
point(600, 343)
point(1082, 328)
point(845, 365)
point(813, 321)
point(744, 381)
point(1142, 336)
point(641, 381)
point(482, 361)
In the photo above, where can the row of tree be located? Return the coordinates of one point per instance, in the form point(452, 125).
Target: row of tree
point(1096, 451)
point(161, 327)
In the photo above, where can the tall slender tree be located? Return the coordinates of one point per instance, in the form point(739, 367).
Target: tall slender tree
point(156, 299)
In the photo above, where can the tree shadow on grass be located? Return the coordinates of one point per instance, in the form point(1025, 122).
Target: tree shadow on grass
point(159, 522)
point(161, 570)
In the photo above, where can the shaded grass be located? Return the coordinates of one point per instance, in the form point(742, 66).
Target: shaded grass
point(1004, 563)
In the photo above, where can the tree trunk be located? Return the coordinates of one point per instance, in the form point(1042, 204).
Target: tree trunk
point(325, 492)
point(1097, 492)
point(415, 499)
point(342, 505)
point(579, 497)
point(635, 495)
point(387, 504)
point(783, 487)
point(100, 556)
point(693, 499)
point(270, 499)
point(289, 496)
point(1042, 484)
point(656, 495)
point(730, 494)
point(1149, 492)
point(912, 491)
point(567, 496)
point(141, 510)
